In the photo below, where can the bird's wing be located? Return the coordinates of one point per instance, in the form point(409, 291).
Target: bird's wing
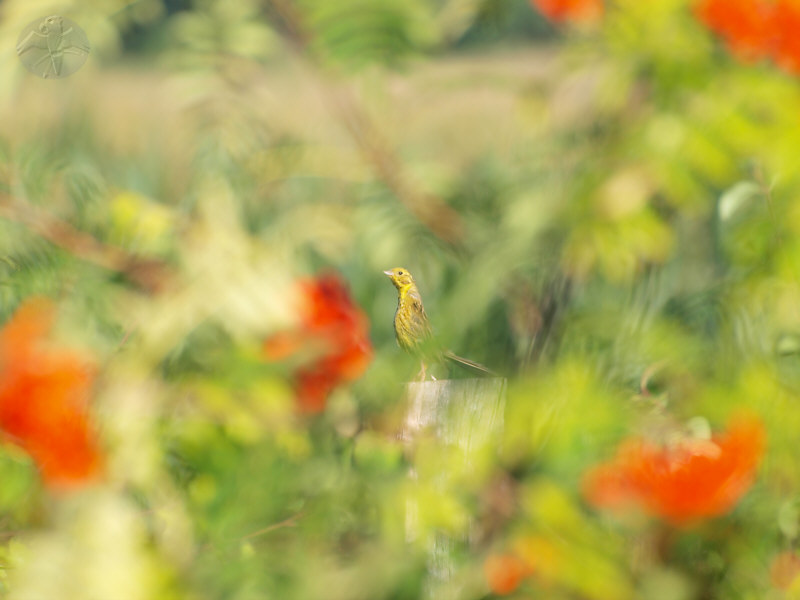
point(419, 320)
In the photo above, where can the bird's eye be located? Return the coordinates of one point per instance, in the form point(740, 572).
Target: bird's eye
point(399, 272)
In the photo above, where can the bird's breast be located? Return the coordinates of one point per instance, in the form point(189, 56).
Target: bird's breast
point(410, 323)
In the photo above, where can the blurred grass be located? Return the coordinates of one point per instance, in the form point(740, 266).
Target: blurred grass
point(626, 208)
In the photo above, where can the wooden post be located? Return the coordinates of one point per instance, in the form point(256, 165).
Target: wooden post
point(466, 413)
point(457, 411)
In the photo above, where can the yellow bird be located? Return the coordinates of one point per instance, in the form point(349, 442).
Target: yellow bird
point(412, 328)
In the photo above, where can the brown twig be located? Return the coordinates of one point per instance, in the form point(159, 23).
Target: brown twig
point(293, 23)
point(290, 522)
point(430, 210)
point(148, 273)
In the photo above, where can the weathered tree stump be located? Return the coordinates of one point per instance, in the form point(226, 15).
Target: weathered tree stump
point(466, 413)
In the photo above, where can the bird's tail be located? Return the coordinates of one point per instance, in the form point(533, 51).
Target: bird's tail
point(468, 363)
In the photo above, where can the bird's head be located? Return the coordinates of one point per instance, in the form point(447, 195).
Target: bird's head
point(400, 277)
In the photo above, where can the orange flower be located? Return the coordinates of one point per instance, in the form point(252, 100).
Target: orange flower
point(746, 25)
point(570, 10)
point(43, 399)
point(693, 480)
point(504, 572)
point(786, 50)
point(333, 325)
point(756, 28)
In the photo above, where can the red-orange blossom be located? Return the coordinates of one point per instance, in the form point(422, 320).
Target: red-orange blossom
point(683, 483)
point(44, 395)
point(336, 328)
point(570, 10)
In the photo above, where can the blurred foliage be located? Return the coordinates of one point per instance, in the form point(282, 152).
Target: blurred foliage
point(606, 213)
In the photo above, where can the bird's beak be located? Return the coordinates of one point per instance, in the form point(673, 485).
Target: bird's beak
point(389, 273)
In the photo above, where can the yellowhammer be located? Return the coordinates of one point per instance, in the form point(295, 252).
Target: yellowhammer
point(411, 326)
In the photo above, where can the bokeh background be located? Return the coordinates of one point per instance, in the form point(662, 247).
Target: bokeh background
point(200, 390)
